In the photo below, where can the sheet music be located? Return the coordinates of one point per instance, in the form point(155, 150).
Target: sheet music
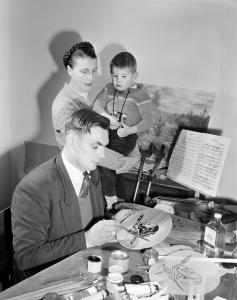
point(197, 161)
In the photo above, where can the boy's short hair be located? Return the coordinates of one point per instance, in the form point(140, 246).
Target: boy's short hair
point(124, 60)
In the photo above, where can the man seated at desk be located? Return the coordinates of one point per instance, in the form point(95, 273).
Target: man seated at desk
point(53, 216)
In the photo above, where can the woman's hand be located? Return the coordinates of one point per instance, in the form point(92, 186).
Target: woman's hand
point(124, 130)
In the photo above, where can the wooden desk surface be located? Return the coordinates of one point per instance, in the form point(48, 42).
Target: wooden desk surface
point(183, 231)
point(71, 267)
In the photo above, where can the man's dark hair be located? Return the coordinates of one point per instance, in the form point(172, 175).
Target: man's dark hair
point(83, 49)
point(84, 119)
point(124, 60)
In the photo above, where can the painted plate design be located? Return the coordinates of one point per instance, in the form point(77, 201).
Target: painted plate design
point(186, 272)
point(151, 225)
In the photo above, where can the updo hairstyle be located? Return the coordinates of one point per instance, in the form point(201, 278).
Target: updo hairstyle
point(82, 49)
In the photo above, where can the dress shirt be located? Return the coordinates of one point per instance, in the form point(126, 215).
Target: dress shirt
point(75, 175)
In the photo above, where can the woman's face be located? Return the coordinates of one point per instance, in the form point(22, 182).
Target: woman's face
point(83, 73)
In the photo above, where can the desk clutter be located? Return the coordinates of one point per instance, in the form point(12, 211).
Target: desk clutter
point(98, 289)
point(171, 267)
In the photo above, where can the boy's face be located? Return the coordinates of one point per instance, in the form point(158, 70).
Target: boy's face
point(123, 78)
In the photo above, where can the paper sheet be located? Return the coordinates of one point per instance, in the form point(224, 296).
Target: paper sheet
point(197, 161)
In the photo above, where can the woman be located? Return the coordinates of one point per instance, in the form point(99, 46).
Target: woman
point(81, 64)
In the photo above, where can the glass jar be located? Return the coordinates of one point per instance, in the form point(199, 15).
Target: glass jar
point(118, 262)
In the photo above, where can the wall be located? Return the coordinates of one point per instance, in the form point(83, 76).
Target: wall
point(225, 110)
point(189, 43)
point(5, 165)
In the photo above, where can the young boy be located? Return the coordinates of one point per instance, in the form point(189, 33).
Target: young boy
point(126, 101)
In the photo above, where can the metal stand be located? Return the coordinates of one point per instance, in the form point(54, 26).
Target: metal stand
point(144, 154)
point(153, 173)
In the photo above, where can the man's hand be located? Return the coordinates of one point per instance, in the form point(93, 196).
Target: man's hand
point(102, 232)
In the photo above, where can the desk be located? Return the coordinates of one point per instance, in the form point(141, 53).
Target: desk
point(72, 266)
point(183, 229)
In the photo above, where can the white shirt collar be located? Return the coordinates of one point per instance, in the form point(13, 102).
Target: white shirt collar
point(75, 174)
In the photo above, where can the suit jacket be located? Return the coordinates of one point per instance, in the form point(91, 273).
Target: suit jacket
point(46, 217)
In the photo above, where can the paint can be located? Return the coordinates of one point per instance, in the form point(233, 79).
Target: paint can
point(94, 263)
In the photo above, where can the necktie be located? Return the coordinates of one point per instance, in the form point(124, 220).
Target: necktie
point(85, 185)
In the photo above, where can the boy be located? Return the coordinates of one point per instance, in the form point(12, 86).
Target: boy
point(126, 101)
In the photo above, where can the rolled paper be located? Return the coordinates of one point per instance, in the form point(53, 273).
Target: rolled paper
point(98, 296)
point(82, 294)
point(142, 290)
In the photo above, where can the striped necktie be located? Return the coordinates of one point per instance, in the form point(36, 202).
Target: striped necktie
point(85, 185)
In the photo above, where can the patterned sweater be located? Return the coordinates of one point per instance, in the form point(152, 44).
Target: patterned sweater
point(134, 104)
point(66, 102)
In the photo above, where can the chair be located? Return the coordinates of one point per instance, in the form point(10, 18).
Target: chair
point(6, 250)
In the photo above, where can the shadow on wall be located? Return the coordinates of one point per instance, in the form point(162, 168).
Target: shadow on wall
point(58, 46)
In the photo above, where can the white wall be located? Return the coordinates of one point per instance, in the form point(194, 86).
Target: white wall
point(190, 44)
point(225, 110)
point(5, 166)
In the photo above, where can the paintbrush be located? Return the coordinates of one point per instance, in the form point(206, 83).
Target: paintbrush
point(134, 234)
point(65, 278)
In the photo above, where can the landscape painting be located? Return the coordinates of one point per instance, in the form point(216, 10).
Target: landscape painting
point(172, 110)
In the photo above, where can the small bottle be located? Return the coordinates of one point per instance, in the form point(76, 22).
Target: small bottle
point(150, 256)
point(114, 282)
point(214, 237)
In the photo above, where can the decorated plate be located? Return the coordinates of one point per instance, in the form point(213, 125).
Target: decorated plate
point(186, 272)
point(144, 229)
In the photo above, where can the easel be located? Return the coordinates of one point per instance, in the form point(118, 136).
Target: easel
point(145, 154)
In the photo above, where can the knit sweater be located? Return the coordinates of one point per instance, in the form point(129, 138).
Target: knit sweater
point(66, 102)
point(137, 105)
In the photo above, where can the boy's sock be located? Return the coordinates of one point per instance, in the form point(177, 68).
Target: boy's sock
point(110, 200)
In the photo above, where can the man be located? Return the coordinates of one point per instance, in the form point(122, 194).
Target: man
point(51, 216)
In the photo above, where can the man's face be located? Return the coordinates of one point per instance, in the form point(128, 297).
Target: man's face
point(88, 148)
point(83, 73)
point(123, 78)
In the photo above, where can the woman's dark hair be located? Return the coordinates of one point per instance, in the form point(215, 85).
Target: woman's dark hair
point(84, 119)
point(83, 49)
point(124, 60)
